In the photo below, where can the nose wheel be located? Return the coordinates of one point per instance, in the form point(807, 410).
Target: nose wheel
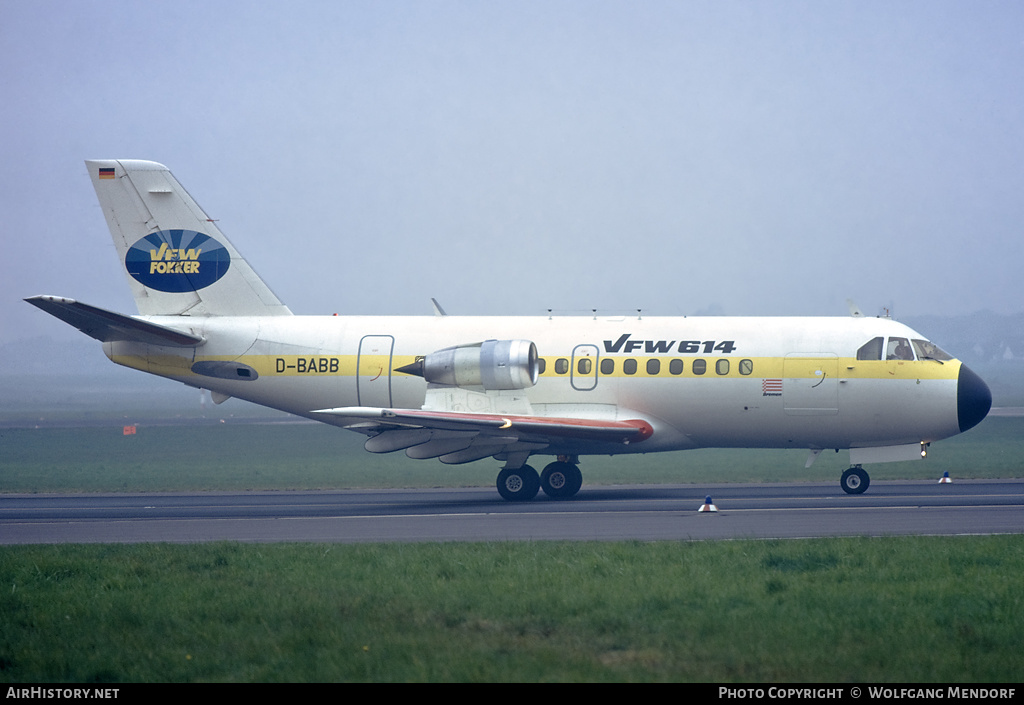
point(855, 480)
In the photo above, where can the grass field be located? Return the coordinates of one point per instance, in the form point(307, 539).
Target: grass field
point(838, 610)
point(246, 456)
point(845, 610)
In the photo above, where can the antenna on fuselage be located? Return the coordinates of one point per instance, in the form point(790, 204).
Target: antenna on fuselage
point(854, 309)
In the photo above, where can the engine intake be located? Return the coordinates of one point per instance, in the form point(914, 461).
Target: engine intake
point(492, 364)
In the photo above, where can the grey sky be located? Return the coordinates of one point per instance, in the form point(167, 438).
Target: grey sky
point(755, 158)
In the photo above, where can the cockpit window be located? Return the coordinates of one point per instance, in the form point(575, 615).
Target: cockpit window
point(871, 350)
point(898, 349)
point(930, 351)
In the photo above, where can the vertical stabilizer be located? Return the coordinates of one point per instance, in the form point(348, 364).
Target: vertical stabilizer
point(177, 261)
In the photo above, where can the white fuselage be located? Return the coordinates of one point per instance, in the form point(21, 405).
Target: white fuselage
point(699, 382)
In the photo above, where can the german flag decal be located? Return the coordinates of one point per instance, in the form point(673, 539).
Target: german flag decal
point(106, 173)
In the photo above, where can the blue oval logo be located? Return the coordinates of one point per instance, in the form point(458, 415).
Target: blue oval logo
point(177, 260)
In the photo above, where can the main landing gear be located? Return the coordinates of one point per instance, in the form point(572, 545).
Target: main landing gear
point(519, 484)
point(561, 479)
point(854, 480)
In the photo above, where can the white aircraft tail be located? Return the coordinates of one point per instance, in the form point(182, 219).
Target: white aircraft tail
point(177, 260)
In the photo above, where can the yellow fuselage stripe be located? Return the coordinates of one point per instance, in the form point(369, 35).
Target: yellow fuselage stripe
point(557, 367)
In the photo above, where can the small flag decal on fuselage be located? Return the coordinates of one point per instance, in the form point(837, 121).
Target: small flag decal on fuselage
point(771, 387)
point(106, 173)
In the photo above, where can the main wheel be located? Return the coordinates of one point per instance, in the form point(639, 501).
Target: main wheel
point(854, 480)
point(519, 485)
point(561, 480)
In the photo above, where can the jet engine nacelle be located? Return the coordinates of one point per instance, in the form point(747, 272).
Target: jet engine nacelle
point(492, 364)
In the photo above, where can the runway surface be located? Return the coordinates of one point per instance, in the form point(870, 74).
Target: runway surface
point(642, 512)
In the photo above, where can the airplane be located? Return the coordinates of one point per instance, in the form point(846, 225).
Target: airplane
point(462, 389)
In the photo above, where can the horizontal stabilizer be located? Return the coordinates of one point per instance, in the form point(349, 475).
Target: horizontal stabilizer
point(107, 326)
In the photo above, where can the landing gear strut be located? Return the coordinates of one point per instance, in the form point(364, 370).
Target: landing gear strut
point(854, 480)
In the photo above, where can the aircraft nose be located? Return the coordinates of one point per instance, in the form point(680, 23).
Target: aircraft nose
point(973, 399)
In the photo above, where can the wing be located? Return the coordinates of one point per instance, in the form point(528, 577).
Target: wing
point(456, 437)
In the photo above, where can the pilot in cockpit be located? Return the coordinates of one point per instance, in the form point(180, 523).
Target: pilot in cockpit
point(902, 351)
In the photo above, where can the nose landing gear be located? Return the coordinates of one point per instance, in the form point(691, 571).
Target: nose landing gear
point(854, 480)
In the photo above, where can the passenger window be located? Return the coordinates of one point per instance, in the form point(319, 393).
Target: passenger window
point(676, 367)
point(898, 349)
point(607, 366)
point(629, 366)
point(746, 367)
point(722, 367)
point(700, 367)
point(653, 366)
point(584, 366)
point(871, 350)
point(542, 365)
point(561, 366)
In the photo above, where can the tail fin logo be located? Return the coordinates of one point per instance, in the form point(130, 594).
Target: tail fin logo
point(175, 261)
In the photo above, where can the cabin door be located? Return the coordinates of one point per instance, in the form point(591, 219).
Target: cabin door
point(810, 384)
point(373, 370)
point(583, 372)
